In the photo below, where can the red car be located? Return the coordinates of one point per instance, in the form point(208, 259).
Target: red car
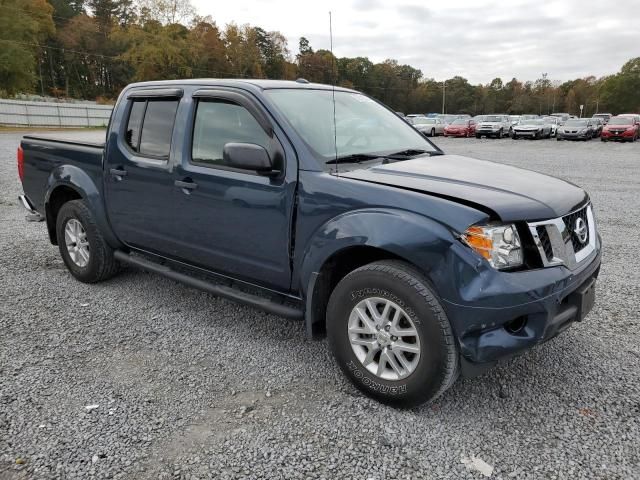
point(622, 127)
point(460, 127)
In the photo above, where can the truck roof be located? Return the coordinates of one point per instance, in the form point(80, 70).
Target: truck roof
point(261, 84)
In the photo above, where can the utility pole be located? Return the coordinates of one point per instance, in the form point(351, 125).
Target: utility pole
point(444, 87)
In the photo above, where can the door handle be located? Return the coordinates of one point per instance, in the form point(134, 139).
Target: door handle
point(186, 185)
point(118, 172)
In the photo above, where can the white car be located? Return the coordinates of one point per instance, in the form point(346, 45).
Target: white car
point(555, 123)
point(428, 126)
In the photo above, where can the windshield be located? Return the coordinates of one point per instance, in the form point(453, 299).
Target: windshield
point(491, 118)
point(550, 119)
point(362, 126)
point(575, 123)
point(620, 121)
point(460, 121)
point(531, 122)
point(423, 121)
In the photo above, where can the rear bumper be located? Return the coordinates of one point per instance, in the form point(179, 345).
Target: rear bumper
point(26, 203)
point(548, 303)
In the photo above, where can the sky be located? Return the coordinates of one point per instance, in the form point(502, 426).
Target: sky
point(477, 39)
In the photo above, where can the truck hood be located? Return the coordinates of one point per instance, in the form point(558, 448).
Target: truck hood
point(509, 193)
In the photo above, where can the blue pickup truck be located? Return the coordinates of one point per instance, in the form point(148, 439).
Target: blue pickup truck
point(321, 204)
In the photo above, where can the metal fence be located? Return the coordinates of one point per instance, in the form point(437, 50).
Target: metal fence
point(23, 113)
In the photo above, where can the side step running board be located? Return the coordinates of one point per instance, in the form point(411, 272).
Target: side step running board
point(219, 290)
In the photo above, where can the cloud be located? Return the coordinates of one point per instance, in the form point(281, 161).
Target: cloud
point(477, 39)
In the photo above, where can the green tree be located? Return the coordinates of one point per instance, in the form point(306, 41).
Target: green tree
point(24, 27)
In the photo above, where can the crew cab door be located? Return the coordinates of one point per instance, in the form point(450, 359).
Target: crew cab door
point(138, 171)
point(233, 221)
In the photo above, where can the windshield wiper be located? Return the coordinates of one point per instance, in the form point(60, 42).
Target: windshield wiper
point(412, 152)
point(354, 158)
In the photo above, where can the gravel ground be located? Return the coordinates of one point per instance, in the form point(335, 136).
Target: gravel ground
point(186, 385)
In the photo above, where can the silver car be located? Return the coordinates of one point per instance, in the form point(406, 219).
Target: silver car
point(496, 126)
point(532, 128)
point(428, 126)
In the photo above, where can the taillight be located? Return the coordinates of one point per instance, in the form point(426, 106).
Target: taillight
point(21, 163)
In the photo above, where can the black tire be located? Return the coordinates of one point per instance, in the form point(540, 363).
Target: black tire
point(437, 367)
point(433, 132)
point(602, 139)
point(558, 138)
point(478, 136)
point(101, 264)
point(514, 137)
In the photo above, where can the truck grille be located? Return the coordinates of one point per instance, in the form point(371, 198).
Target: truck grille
point(567, 240)
point(570, 223)
point(546, 242)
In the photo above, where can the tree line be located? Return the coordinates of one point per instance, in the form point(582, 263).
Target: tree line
point(91, 49)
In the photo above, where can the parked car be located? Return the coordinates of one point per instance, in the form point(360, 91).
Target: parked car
point(634, 116)
point(418, 265)
point(496, 126)
point(514, 119)
point(529, 117)
point(461, 127)
point(562, 116)
point(447, 119)
point(576, 129)
point(428, 126)
point(605, 117)
point(554, 122)
point(532, 128)
point(620, 128)
point(597, 126)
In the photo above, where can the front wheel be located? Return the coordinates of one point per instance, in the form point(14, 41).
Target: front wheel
point(390, 335)
point(83, 248)
point(433, 132)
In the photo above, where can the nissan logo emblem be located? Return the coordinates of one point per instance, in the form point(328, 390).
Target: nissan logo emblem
point(580, 230)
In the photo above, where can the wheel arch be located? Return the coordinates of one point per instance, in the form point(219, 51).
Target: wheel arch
point(416, 240)
point(67, 183)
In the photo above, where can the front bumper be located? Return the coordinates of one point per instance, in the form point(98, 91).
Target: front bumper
point(617, 136)
point(541, 303)
point(573, 136)
point(527, 133)
point(457, 133)
point(487, 132)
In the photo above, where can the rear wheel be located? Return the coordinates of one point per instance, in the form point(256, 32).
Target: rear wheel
point(83, 248)
point(433, 132)
point(390, 335)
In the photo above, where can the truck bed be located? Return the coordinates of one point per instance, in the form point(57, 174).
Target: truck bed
point(48, 156)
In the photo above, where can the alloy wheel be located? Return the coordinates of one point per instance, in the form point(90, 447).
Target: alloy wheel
point(383, 338)
point(75, 237)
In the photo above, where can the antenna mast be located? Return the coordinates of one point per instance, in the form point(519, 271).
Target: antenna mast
point(333, 91)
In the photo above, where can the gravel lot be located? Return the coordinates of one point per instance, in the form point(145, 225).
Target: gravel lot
point(186, 385)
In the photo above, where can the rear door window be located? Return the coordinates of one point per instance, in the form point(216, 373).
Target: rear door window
point(150, 126)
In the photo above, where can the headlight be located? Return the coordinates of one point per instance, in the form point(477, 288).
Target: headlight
point(499, 244)
point(584, 130)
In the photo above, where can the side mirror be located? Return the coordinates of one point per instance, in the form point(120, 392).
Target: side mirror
point(248, 156)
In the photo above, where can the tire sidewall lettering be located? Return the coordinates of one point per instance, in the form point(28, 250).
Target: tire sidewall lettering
point(374, 385)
